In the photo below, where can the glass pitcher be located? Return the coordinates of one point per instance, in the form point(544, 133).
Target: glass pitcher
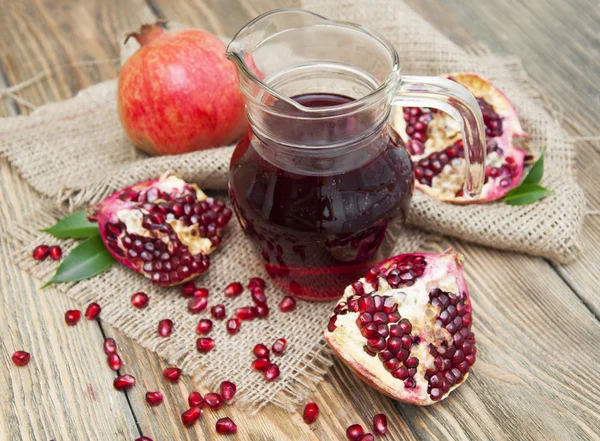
point(321, 183)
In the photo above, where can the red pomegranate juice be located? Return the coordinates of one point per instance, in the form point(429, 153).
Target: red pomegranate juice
point(317, 232)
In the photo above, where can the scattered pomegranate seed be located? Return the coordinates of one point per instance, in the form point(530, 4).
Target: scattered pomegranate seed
point(271, 372)
point(21, 358)
point(233, 325)
point(201, 292)
point(197, 304)
point(380, 424)
point(55, 252)
point(72, 316)
point(110, 346)
point(204, 326)
point(188, 289)
point(288, 303)
point(246, 313)
point(165, 327)
point(213, 400)
point(195, 400)
point(114, 361)
point(258, 295)
point(144, 438)
point(261, 351)
point(260, 364)
point(234, 289)
point(139, 300)
point(172, 374)
point(40, 252)
point(225, 426)
point(262, 311)
point(93, 311)
point(256, 282)
point(279, 346)
point(367, 437)
point(190, 416)
point(218, 311)
point(311, 413)
point(354, 432)
point(205, 344)
point(154, 398)
point(124, 382)
point(228, 390)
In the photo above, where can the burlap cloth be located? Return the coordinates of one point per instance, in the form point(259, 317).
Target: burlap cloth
point(74, 152)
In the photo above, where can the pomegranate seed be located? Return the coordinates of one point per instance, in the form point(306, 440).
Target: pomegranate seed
point(279, 346)
point(55, 252)
point(258, 295)
point(188, 289)
point(234, 289)
point(124, 382)
point(225, 426)
point(172, 374)
point(201, 292)
point(261, 351)
point(246, 313)
point(21, 358)
point(228, 390)
point(288, 303)
point(260, 364)
point(40, 252)
point(165, 327)
point(218, 311)
point(72, 316)
point(110, 346)
point(114, 361)
point(154, 398)
point(262, 311)
point(139, 300)
point(311, 413)
point(213, 400)
point(271, 372)
point(190, 416)
point(205, 345)
point(354, 432)
point(233, 325)
point(256, 282)
point(144, 438)
point(204, 326)
point(380, 424)
point(367, 437)
point(195, 400)
point(197, 304)
point(93, 311)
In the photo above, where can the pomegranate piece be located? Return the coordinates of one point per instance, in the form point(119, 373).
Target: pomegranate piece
point(234, 289)
point(165, 328)
point(227, 389)
point(139, 300)
point(114, 361)
point(354, 432)
point(246, 313)
point(260, 351)
point(380, 424)
point(433, 139)
point(154, 398)
point(124, 382)
point(260, 364)
point(41, 252)
point(410, 336)
point(311, 413)
point(288, 303)
point(72, 316)
point(204, 326)
point(218, 311)
point(55, 252)
point(172, 374)
point(205, 344)
point(110, 346)
point(271, 372)
point(256, 282)
point(200, 292)
point(196, 400)
point(163, 228)
point(258, 295)
point(21, 358)
point(233, 325)
point(197, 304)
point(190, 416)
point(93, 311)
point(262, 311)
point(225, 426)
point(188, 288)
point(279, 346)
point(213, 400)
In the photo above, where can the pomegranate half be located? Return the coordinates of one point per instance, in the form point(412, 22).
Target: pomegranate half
point(163, 228)
point(405, 328)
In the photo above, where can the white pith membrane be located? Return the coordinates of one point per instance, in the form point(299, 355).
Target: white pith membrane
point(442, 273)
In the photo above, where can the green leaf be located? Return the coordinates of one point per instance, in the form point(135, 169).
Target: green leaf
point(86, 260)
point(74, 226)
point(537, 171)
point(526, 194)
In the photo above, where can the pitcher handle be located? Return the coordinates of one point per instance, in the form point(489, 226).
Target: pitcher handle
point(458, 102)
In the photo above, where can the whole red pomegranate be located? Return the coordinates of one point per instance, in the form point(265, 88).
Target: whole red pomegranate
point(178, 93)
point(405, 328)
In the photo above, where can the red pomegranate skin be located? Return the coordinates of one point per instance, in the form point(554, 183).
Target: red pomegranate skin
point(178, 93)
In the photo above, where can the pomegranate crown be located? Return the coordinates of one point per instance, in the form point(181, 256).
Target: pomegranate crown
point(147, 32)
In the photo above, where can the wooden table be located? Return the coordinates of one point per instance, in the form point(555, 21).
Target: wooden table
point(537, 323)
